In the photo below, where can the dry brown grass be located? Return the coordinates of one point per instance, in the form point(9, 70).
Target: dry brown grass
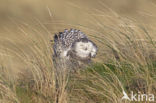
point(123, 37)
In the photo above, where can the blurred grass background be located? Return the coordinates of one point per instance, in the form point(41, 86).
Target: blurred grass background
point(56, 15)
point(124, 31)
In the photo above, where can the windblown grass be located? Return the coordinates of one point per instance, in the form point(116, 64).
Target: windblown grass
point(125, 60)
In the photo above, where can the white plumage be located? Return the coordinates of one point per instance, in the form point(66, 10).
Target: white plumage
point(85, 49)
point(73, 44)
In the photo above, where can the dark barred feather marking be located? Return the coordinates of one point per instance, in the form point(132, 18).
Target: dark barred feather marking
point(65, 44)
point(64, 40)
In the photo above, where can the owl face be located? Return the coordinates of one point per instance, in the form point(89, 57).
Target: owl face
point(85, 48)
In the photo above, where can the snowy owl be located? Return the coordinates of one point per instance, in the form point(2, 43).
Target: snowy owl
point(73, 44)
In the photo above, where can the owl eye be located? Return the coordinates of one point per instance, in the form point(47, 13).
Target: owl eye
point(85, 49)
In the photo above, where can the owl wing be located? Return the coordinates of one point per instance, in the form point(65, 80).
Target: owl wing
point(69, 37)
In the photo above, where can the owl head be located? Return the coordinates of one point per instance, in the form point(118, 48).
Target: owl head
point(84, 48)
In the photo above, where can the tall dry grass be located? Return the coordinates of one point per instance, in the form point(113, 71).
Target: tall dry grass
point(125, 59)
